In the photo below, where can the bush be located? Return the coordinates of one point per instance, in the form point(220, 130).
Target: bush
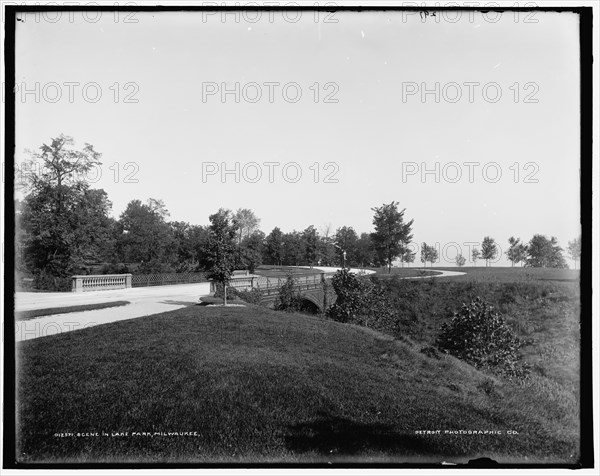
point(45, 281)
point(253, 296)
point(288, 299)
point(114, 268)
point(362, 301)
point(481, 337)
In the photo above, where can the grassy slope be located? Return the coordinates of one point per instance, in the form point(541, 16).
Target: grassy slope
point(259, 385)
point(542, 305)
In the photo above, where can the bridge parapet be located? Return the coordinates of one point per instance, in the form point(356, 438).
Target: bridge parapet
point(100, 282)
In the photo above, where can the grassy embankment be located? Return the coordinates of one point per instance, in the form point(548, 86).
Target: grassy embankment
point(258, 385)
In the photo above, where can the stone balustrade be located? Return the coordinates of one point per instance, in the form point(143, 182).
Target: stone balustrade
point(100, 282)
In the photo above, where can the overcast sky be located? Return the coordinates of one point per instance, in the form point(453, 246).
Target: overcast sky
point(365, 126)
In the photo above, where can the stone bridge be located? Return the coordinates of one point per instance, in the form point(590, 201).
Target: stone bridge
point(315, 290)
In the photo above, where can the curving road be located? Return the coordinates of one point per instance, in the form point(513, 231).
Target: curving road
point(144, 302)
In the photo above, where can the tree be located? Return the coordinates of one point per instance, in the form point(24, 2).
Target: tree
point(574, 250)
point(293, 248)
point(251, 250)
point(475, 254)
point(489, 250)
point(346, 242)
point(517, 251)
point(247, 223)
point(428, 254)
point(219, 254)
point(327, 255)
point(63, 224)
point(274, 247)
point(311, 245)
point(391, 235)
point(365, 255)
point(408, 256)
point(145, 237)
point(545, 253)
point(460, 260)
point(188, 242)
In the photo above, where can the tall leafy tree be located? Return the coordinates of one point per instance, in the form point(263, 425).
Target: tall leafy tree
point(251, 250)
point(188, 241)
point(293, 248)
point(310, 238)
point(327, 255)
point(346, 242)
point(145, 237)
point(247, 223)
point(365, 256)
point(273, 249)
point(220, 252)
point(545, 253)
point(489, 250)
point(63, 223)
point(391, 235)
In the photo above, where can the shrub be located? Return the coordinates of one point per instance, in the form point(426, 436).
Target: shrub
point(253, 296)
point(361, 301)
point(45, 281)
point(481, 337)
point(114, 268)
point(219, 291)
point(288, 299)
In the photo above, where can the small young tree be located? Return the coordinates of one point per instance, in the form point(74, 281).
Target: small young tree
point(220, 250)
point(516, 251)
point(489, 250)
point(428, 254)
point(574, 250)
point(475, 254)
point(460, 260)
point(408, 256)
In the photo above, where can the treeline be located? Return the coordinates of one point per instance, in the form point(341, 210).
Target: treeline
point(539, 252)
point(64, 227)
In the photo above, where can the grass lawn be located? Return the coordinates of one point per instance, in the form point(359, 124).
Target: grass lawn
point(282, 271)
point(404, 272)
point(26, 315)
point(265, 386)
point(513, 275)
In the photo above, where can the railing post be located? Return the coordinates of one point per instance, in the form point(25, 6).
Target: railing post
point(128, 278)
point(77, 284)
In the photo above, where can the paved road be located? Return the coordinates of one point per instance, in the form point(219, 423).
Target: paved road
point(144, 302)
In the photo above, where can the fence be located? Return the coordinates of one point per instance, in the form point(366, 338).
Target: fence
point(164, 279)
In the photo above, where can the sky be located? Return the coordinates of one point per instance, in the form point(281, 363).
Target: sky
point(328, 120)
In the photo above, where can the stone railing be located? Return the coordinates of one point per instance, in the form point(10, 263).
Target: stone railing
point(100, 282)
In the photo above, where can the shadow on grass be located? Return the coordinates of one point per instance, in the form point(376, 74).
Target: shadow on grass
point(334, 435)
